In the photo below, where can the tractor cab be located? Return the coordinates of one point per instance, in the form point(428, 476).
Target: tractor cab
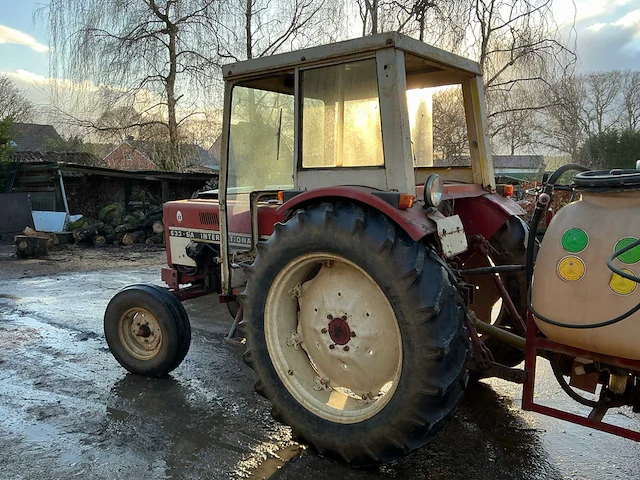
point(354, 113)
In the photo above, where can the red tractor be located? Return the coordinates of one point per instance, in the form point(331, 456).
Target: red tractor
point(366, 283)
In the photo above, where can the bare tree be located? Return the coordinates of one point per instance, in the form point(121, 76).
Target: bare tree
point(14, 105)
point(258, 28)
point(154, 55)
point(514, 130)
point(438, 22)
point(630, 91)
point(369, 11)
point(565, 125)
point(602, 89)
point(450, 141)
point(520, 49)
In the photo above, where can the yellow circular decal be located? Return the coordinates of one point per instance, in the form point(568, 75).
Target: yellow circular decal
point(621, 285)
point(571, 269)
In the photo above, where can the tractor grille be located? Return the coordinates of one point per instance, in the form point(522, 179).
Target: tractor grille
point(207, 218)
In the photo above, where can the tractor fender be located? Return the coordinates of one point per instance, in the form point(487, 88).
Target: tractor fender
point(413, 220)
point(486, 214)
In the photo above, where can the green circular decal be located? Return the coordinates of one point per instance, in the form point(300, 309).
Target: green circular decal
point(575, 240)
point(633, 255)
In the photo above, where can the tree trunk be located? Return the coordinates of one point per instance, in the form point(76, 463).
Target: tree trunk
point(87, 234)
point(27, 246)
point(248, 14)
point(158, 226)
point(174, 139)
point(127, 239)
point(374, 18)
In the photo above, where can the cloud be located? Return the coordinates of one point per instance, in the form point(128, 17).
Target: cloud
point(566, 11)
point(11, 35)
point(596, 27)
point(612, 45)
point(630, 20)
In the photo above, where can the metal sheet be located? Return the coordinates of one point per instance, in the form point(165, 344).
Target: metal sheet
point(15, 213)
point(49, 221)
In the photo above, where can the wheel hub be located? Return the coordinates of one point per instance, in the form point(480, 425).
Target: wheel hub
point(140, 333)
point(339, 330)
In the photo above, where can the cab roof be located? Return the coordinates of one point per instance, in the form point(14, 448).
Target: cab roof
point(420, 58)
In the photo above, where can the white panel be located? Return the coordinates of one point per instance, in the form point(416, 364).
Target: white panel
point(49, 221)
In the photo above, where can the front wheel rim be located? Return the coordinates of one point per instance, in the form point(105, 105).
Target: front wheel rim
point(140, 333)
point(333, 338)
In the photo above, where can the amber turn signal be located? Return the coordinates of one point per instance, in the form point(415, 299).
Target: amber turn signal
point(505, 190)
point(406, 201)
point(281, 196)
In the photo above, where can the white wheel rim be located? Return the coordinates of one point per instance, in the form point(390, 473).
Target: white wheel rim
point(334, 339)
point(140, 333)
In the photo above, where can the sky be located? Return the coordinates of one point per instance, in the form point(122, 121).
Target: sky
point(607, 31)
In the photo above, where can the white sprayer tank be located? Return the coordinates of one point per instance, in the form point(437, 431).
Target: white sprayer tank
point(572, 283)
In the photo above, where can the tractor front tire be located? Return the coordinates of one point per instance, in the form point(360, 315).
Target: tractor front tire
point(147, 330)
point(340, 301)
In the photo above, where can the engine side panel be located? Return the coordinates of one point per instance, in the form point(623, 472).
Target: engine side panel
point(199, 220)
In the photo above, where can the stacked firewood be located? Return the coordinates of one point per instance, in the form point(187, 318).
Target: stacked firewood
point(115, 227)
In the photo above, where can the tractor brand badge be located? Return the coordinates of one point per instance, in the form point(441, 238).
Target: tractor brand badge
point(179, 216)
point(575, 240)
point(622, 286)
point(571, 269)
point(630, 257)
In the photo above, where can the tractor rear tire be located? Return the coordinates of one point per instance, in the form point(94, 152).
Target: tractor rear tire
point(147, 330)
point(427, 328)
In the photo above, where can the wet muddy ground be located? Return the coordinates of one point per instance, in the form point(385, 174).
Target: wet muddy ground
point(68, 410)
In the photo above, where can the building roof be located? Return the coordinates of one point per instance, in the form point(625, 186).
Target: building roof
point(192, 155)
point(78, 158)
point(32, 137)
point(128, 156)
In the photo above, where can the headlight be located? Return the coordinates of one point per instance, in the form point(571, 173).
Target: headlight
point(433, 190)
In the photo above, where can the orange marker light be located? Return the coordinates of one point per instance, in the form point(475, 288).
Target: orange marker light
point(281, 196)
point(406, 201)
point(506, 190)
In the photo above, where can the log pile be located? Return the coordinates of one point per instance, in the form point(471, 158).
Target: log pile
point(114, 227)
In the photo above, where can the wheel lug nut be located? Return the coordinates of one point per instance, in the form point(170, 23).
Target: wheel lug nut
point(346, 348)
point(290, 372)
point(344, 317)
point(332, 346)
point(329, 317)
point(324, 330)
point(353, 334)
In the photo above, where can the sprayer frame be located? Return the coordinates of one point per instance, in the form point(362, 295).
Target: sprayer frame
point(537, 342)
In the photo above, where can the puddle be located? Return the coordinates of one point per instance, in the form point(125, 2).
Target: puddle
point(272, 464)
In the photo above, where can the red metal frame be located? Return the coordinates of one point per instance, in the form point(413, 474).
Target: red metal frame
point(536, 341)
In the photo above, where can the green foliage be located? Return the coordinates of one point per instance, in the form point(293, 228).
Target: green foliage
point(6, 167)
point(73, 143)
point(5, 140)
point(612, 149)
